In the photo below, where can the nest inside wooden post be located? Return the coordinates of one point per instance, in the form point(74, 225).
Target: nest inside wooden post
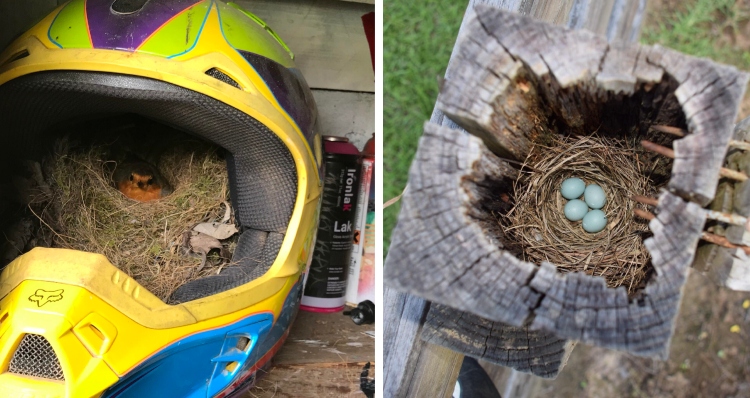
point(538, 225)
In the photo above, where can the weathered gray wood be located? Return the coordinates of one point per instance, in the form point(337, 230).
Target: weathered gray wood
point(513, 70)
point(536, 352)
point(443, 249)
point(404, 316)
point(626, 19)
point(435, 372)
point(447, 256)
point(730, 267)
point(583, 14)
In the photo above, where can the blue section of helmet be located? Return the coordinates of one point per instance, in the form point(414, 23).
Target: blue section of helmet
point(186, 368)
point(206, 363)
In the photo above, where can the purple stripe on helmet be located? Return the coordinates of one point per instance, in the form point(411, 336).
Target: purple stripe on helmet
point(290, 90)
point(117, 31)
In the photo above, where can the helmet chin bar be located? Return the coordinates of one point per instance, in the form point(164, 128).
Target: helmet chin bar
point(262, 171)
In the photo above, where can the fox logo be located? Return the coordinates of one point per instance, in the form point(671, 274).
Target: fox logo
point(42, 297)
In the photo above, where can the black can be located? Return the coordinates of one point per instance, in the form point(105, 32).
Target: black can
point(325, 288)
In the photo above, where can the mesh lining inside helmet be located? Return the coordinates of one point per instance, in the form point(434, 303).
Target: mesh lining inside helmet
point(262, 173)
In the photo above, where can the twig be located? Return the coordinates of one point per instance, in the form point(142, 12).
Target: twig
point(707, 236)
point(723, 242)
point(645, 200)
point(664, 151)
point(729, 218)
point(745, 146)
point(669, 130)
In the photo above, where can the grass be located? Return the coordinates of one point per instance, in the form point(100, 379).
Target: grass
point(418, 39)
point(84, 211)
point(704, 28)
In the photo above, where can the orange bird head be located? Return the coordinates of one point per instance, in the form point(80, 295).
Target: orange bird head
point(140, 182)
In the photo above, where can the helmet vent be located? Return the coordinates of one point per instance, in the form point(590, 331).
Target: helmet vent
point(219, 75)
point(15, 57)
point(36, 357)
point(128, 6)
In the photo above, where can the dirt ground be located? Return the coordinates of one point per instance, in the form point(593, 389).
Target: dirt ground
point(709, 356)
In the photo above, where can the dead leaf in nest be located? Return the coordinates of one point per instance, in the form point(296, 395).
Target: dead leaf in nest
point(216, 230)
point(203, 243)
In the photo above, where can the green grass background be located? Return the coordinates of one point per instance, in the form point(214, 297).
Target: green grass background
point(418, 38)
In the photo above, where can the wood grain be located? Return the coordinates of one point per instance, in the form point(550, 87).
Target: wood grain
point(327, 39)
point(509, 72)
point(346, 114)
point(310, 381)
point(326, 338)
point(323, 356)
point(540, 353)
point(730, 267)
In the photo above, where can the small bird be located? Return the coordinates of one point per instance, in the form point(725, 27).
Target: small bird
point(140, 181)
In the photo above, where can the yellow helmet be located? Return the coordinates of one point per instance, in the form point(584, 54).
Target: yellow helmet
point(72, 324)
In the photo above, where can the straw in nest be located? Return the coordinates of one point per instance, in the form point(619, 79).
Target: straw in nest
point(145, 240)
point(538, 224)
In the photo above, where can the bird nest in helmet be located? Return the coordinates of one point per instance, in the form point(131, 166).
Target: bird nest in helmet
point(78, 198)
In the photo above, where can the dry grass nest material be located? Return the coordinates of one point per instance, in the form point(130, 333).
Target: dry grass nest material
point(148, 241)
point(538, 224)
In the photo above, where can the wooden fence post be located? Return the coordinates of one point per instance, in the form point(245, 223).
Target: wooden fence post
point(443, 249)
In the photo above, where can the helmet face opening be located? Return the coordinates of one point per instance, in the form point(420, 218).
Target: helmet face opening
point(262, 172)
point(203, 69)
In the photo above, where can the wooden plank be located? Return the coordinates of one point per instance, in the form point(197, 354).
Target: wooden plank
point(730, 267)
point(540, 353)
point(346, 114)
point(435, 373)
point(323, 356)
point(310, 381)
point(556, 12)
point(327, 38)
point(326, 338)
point(592, 15)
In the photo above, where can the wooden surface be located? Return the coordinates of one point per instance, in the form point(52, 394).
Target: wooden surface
point(346, 114)
point(724, 266)
point(327, 39)
point(510, 73)
point(624, 22)
point(322, 357)
point(532, 351)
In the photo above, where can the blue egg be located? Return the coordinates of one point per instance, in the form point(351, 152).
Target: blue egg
point(594, 221)
point(594, 196)
point(572, 188)
point(575, 210)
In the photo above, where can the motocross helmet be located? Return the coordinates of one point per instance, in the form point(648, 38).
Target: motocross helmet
point(74, 325)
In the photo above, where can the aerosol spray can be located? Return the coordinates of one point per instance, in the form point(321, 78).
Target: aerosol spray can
point(325, 288)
